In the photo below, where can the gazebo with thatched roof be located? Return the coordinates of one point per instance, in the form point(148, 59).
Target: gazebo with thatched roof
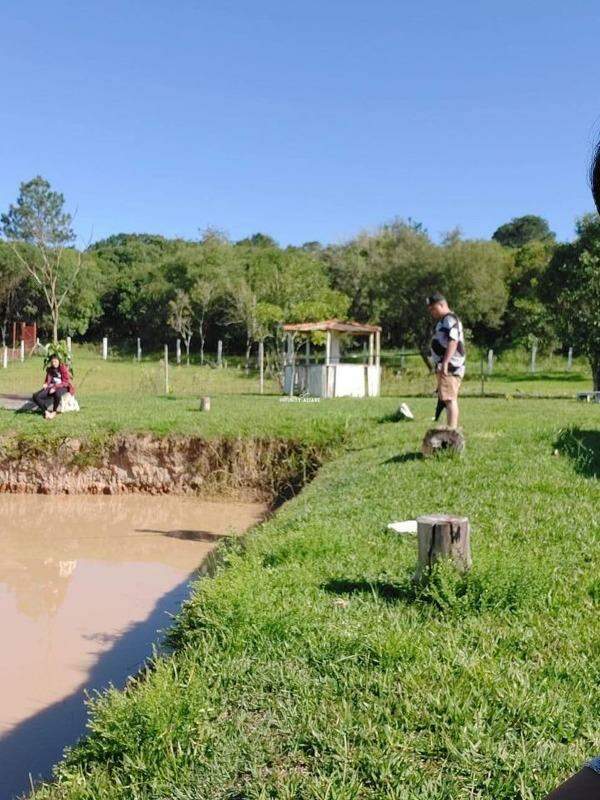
point(332, 377)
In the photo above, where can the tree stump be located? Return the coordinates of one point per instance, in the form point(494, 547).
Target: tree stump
point(205, 404)
point(442, 536)
point(436, 440)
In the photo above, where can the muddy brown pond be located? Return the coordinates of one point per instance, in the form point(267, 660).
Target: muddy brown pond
point(86, 584)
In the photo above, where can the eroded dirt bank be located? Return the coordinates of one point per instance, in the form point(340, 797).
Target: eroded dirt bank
point(245, 469)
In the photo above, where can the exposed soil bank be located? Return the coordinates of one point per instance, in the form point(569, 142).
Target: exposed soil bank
point(269, 470)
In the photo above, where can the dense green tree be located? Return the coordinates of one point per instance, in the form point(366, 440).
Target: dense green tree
point(258, 240)
point(12, 276)
point(526, 318)
point(475, 277)
point(571, 290)
point(135, 290)
point(521, 230)
point(387, 275)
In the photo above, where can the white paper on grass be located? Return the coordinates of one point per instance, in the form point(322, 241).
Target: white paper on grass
point(408, 526)
point(406, 412)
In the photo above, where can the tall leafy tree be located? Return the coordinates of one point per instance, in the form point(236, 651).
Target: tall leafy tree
point(572, 292)
point(475, 277)
point(526, 317)
point(521, 230)
point(12, 276)
point(39, 229)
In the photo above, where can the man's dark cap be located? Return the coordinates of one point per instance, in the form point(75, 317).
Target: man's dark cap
point(436, 297)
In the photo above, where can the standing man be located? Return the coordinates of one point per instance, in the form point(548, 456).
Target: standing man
point(448, 354)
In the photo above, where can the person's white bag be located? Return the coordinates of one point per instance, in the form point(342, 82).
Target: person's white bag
point(67, 403)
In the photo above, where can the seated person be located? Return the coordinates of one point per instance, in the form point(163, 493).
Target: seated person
point(57, 384)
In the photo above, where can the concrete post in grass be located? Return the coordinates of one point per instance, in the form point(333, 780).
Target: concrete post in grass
point(533, 356)
point(105, 348)
point(178, 351)
point(22, 350)
point(5, 357)
point(442, 537)
point(166, 359)
point(570, 359)
point(139, 349)
point(205, 404)
point(219, 353)
point(69, 345)
point(490, 362)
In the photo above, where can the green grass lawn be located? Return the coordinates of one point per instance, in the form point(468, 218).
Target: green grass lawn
point(310, 667)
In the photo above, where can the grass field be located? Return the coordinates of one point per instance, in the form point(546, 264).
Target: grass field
point(310, 667)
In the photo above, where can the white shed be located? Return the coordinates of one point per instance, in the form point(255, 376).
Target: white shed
point(333, 378)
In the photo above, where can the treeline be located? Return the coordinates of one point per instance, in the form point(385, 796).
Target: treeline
point(519, 287)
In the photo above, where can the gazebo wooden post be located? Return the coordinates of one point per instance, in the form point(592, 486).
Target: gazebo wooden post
point(371, 349)
point(307, 351)
point(290, 349)
point(327, 361)
point(378, 348)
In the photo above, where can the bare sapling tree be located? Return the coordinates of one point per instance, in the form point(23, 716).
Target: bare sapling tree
point(181, 319)
point(40, 234)
point(203, 297)
point(243, 311)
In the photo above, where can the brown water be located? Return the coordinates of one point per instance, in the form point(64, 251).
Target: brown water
point(86, 583)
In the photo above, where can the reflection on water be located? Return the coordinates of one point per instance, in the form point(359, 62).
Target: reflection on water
point(85, 584)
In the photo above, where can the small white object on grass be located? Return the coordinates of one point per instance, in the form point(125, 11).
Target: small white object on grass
point(407, 526)
point(405, 412)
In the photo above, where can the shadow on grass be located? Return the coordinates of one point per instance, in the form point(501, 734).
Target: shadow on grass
point(566, 377)
point(583, 448)
point(389, 592)
point(404, 458)
point(394, 416)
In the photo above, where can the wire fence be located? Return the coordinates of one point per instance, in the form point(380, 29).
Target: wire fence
point(100, 369)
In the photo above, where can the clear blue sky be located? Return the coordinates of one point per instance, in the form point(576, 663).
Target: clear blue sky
point(306, 120)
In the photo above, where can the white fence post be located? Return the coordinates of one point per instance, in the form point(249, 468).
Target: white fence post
point(178, 351)
point(570, 359)
point(5, 356)
point(261, 365)
point(22, 350)
point(490, 361)
point(533, 356)
point(139, 349)
point(69, 345)
point(105, 348)
point(219, 353)
point(166, 369)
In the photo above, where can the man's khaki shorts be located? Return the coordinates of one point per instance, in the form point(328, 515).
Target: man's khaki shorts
point(448, 387)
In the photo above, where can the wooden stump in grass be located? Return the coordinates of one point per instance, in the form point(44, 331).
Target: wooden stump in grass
point(442, 536)
point(205, 404)
point(436, 440)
